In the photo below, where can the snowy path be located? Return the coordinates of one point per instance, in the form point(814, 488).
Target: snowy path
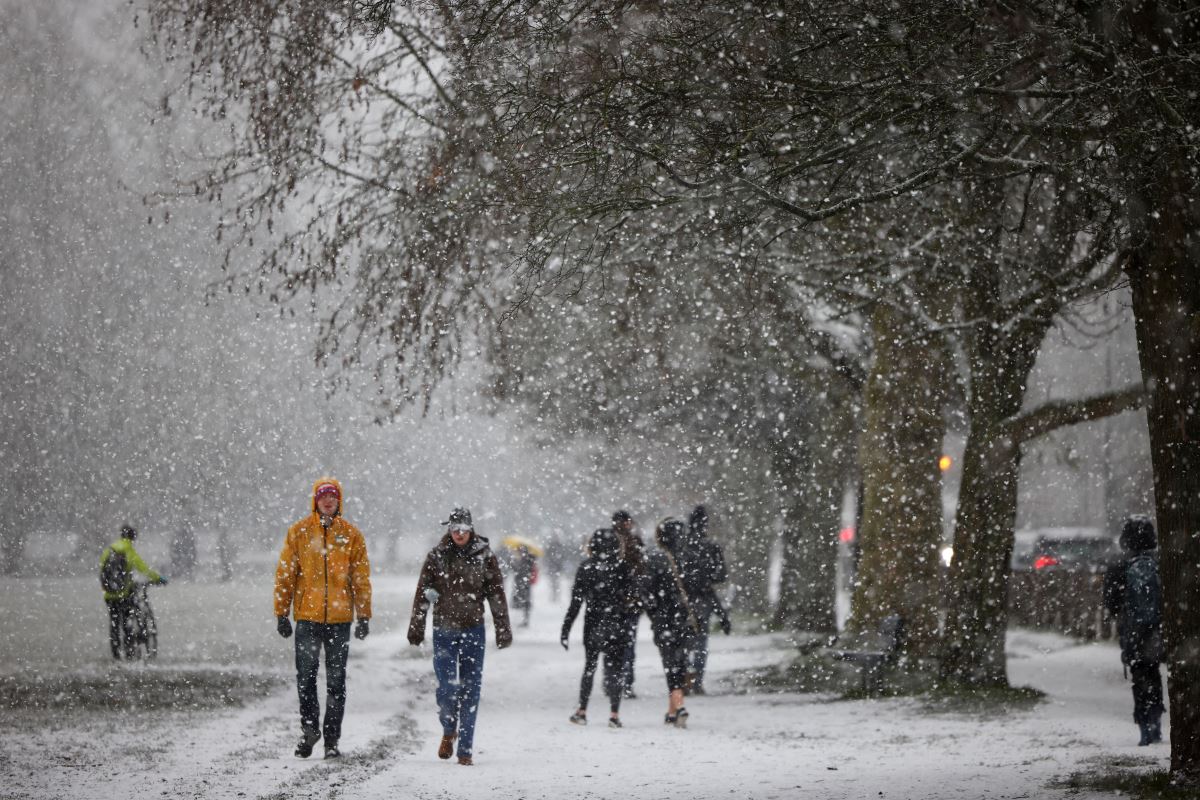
point(758, 746)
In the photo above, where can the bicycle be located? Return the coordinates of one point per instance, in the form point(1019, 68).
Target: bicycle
point(141, 630)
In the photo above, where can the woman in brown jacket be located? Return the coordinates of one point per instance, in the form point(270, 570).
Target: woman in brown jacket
point(325, 579)
point(459, 573)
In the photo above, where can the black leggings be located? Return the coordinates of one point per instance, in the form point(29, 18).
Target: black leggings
point(614, 679)
point(674, 659)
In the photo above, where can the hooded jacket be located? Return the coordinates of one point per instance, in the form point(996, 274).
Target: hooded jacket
point(455, 581)
point(605, 583)
point(667, 604)
point(323, 573)
point(134, 561)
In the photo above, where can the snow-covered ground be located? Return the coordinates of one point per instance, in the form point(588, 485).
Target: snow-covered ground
point(219, 720)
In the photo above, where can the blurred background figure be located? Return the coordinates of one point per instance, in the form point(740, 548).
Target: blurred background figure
point(523, 555)
point(555, 563)
point(183, 545)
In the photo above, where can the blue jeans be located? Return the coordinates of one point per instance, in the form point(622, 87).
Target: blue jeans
point(310, 638)
point(458, 665)
point(698, 651)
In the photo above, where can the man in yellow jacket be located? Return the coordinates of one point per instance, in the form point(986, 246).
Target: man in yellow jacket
point(325, 579)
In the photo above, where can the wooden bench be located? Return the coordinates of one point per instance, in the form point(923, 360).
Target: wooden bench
point(871, 651)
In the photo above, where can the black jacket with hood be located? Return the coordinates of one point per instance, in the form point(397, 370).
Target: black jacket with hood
point(605, 583)
point(667, 603)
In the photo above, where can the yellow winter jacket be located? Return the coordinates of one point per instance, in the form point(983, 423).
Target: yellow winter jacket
point(134, 562)
point(323, 573)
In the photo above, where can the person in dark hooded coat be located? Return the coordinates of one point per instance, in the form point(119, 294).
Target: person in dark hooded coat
point(632, 550)
point(702, 566)
point(604, 583)
point(671, 617)
point(1133, 594)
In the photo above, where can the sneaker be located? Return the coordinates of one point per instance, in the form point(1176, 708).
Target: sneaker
point(305, 746)
point(446, 748)
point(613, 722)
point(578, 719)
point(465, 761)
point(331, 750)
point(681, 718)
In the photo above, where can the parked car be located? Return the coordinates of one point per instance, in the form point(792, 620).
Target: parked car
point(1079, 549)
point(1024, 542)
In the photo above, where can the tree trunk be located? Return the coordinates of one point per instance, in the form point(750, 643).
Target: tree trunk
point(1164, 276)
point(901, 529)
point(807, 586)
point(973, 641)
point(1161, 188)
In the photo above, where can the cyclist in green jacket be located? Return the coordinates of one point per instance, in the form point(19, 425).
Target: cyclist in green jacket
point(116, 578)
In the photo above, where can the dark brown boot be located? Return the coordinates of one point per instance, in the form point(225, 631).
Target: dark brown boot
point(446, 748)
point(465, 761)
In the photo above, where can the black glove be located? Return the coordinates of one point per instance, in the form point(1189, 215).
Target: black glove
point(361, 629)
point(563, 642)
point(726, 627)
point(284, 626)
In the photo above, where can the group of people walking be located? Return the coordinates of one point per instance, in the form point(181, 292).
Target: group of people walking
point(672, 582)
point(323, 581)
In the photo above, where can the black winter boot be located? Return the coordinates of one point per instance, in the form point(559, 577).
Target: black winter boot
point(307, 739)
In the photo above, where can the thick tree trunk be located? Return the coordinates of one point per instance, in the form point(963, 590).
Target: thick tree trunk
point(807, 586)
point(1157, 163)
point(1165, 279)
point(901, 529)
point(973, 640)
point(973, 646)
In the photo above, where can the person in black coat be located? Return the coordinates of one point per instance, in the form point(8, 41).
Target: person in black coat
point(632, 550)
point(671, 616)
point(604, 582)
point(1133, 594)
point(702, 566)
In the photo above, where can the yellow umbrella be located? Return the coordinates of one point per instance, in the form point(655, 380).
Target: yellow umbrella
point(520, 541)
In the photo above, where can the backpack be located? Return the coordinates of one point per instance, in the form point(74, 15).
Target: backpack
point(114, 572)
point(1143, 592)
point(716, 563)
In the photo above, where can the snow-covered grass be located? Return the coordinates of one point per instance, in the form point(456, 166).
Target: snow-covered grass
point(68, 737)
